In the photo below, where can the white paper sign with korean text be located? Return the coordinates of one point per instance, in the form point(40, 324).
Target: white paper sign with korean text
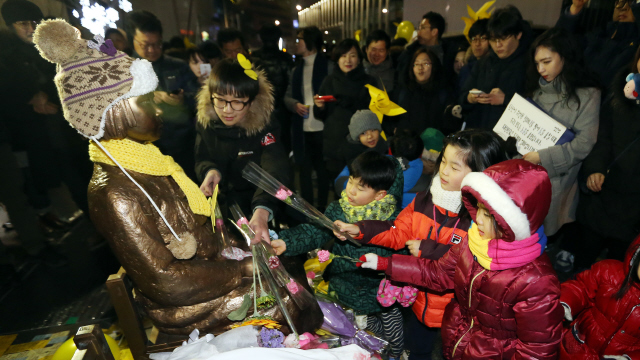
point(533, 128)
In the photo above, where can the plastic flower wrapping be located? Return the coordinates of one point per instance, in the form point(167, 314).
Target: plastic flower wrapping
point(228, 252)
point(264, 260)
point(337, 322)
point(265, 181)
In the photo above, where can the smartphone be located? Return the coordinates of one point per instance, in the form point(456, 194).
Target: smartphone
point(476, 92)
point(327, 98)
point(205, 69)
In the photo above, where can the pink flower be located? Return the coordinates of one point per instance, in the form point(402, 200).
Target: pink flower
point(219, 223)
point(283, 193)
point(242, 221)
point(292, 285)
point(311, 275)
point(324, 256)
point(274, 262)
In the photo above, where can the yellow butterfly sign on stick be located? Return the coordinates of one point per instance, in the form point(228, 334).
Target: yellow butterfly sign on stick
point(381, 105)
point(246, 65)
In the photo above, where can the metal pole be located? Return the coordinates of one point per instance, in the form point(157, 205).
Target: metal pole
point(386, 17)
point(361, 25)
point(379, 25)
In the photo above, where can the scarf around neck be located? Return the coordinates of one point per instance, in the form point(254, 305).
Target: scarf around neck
point(375, 210)
point(497, 254)
point(448, 200)
point(147, 159)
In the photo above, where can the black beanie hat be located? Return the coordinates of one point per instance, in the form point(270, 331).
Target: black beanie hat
point(20, 10)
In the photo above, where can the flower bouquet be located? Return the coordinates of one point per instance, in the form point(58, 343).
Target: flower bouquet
point(262, 179)
point(337, 322)
point(265, 260)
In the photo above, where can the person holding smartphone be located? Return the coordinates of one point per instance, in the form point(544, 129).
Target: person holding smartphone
point(499, 75)
point(175, 95)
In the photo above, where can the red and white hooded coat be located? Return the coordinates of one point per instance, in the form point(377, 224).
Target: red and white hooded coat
point(510, 312)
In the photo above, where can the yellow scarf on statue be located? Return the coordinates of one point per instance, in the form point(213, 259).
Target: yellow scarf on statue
point(147, 159)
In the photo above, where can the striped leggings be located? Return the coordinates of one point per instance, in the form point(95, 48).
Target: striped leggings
point(388, 325)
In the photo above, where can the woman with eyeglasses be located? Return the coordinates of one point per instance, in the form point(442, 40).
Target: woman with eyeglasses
point(610, 47)
point(424, 95)
point(499, 75)
point(560, 83)
point(234, 127)
point(479, 40)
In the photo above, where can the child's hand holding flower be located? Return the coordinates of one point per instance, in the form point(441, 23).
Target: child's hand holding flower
point(350, 229)
point(373, 262)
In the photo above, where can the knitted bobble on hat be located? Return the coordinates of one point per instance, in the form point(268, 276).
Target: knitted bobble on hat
point(57, 40)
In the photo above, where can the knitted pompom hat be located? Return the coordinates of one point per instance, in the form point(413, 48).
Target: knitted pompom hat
point(92, 75)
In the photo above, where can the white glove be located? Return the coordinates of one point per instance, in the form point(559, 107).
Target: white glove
point(371, 262)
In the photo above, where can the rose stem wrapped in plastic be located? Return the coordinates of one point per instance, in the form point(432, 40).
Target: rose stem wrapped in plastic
point(262, 253)
point(271, 185)
point(229, 252)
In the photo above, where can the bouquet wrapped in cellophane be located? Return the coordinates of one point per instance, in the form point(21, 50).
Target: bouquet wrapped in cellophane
point(262, 179)
point(266, 261)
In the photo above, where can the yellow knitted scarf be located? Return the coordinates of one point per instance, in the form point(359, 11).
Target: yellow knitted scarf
point(147, 159)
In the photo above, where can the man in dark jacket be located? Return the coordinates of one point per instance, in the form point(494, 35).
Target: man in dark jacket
point(277, 64)
point(500, 74)
point(430, 36)
point(377, 62)
point(610, 47)
point(176, 91)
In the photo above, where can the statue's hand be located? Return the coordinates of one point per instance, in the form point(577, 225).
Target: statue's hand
point(246, 266)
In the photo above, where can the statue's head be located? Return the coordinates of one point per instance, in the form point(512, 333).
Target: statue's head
point(94, 79)
point(137, 118)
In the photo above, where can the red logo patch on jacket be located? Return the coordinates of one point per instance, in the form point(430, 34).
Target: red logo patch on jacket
point(268, 139)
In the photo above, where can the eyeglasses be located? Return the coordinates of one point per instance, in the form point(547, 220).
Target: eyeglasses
point(501, 40)
point(478, 39)
point(154, 46)
point(620, 4)
point(422, 65)
point(236, 105)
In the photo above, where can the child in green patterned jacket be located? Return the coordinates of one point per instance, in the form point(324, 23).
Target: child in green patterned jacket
point(374, 192)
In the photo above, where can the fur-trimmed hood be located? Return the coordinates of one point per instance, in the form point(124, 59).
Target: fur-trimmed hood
point(259, 115)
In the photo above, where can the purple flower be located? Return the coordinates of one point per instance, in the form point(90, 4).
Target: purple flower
point(271, 338)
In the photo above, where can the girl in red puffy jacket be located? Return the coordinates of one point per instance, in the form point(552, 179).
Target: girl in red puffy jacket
point(507, 295)
point(433, 222)
point(605, 303)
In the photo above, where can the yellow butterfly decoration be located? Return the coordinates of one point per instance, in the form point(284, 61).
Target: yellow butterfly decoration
point(381, 105)
point(482, 13)
point(246, 65)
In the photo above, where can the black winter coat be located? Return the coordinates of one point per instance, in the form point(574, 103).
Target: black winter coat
point(352, 95)
point(609, 48)
point(228, 149)
point(615, 210)
point(425, 109)
point(489, 73)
